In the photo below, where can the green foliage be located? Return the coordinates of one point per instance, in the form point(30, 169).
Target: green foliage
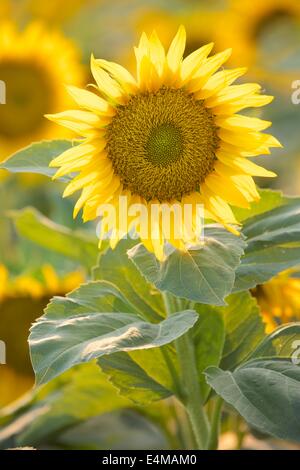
point(269, 199)
point(76, 329)
point(208, 336)
point(36, 158)
point(132, 380)
point(284, 342)
point(243, 327)
point(273, 245)
point(204, 275)
point(265, 392)
point(73, 244)
point(115, 266)
point(77, 395)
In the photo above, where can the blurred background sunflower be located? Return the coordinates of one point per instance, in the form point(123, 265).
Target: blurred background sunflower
point(22, 300)
point(34, 64)
point(279, 299)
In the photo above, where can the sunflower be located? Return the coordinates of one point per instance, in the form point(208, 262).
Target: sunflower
point(248, 20)
point(279, 300)
point(33, 64)
point(172, 135)
point(22, 300)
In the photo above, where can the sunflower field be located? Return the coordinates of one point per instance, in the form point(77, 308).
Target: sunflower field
point(149, 225)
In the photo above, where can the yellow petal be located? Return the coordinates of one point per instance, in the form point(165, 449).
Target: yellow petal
point(80, 128)
point(73, 167)
point(243, 183)
point(248, 140)
point(142, 51)
point(107, 85)
point(193, 61)
point(85, 195)
point(82, 122)
point(224, 187)
point(250, 101)
point(231, 93)
point(90, 101)
point(176, 50)
point(210, 66)
point(120, 74)
point(217, 206)
point(157, 54)
point(102, 179)
point(218, 81)
point(235, 150)
point(244, 165)
point(238, 121)
point(79, 182)
point(103, 194)
point(72, 154)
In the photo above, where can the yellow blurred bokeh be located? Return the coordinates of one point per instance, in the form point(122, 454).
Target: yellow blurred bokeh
point(22, 300)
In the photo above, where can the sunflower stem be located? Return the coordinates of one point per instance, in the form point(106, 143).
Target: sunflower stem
point(191, 390)
point(215, 424)
point(190, 387)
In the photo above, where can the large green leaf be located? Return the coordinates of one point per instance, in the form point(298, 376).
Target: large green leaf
point(116, 267)
point(36, 158)
point(142, 383)
point(145, 375)
point(273, 245)
point(265, 392)
point(61, 339)
point(75, 245)
point(76, 396)
point(284, 342)
point(204, 275)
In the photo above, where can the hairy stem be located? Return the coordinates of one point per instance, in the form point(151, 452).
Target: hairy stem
point(215, 424)
point(191, 390)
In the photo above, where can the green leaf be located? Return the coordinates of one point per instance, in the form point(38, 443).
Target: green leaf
point(273, 245)
point(36, 158)
point(61, 339)
point(244, 329)
point(76, 396)
point(284, 342)
point(138, 382)
point(208, 336)
point(266, 393)
point(115, 266)
point(145, 375)
point(133, 381)
point(75, 245)
point(204, 275)
point(269, 199)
